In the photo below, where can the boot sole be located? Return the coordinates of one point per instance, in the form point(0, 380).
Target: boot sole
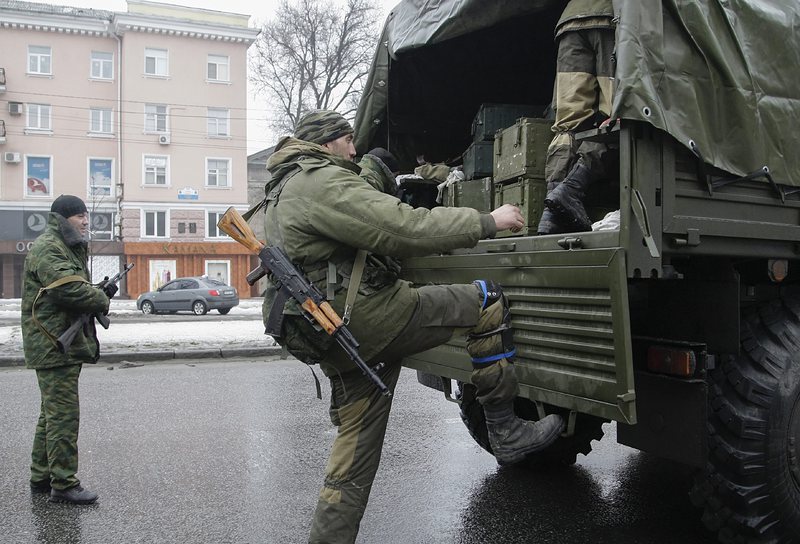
point(521, 455)
point(67, 501)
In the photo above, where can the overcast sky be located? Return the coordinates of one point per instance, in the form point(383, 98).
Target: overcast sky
point(258, 136)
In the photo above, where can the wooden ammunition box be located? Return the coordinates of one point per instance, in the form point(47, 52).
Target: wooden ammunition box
point(521, 149)
point(478, 160)
point(527, 193)
point(493, 117)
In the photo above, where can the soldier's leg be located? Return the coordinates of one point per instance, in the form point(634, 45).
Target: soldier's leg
point(490, 344)
point(40, 469)
point(360, 412)
point(61, 408)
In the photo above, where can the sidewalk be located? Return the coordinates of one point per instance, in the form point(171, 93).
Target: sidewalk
point(159, 340)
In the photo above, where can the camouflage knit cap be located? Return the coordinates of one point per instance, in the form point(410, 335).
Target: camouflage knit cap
point(321, 127)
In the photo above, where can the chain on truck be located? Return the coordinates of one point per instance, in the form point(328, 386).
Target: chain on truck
point(681, 322)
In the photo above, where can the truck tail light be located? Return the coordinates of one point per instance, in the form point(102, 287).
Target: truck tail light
point(676, 362)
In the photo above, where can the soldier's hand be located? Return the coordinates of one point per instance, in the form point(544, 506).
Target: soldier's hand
point(508, 217)
point(110, 290)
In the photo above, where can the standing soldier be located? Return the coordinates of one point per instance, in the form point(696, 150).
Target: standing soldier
point(322, 213)
point(584, 80)
point(56, 291)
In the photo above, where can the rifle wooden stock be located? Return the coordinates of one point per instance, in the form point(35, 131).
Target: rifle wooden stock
point(292, 283)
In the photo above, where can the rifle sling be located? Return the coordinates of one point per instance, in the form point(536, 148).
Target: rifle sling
point(354, 284)
point(58, 283)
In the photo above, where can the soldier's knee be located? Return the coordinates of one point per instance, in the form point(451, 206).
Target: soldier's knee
point(490, 292)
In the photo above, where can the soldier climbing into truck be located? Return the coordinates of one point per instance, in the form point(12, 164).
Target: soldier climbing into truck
point(682, 324)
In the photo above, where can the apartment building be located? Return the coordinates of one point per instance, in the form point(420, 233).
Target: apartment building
point(143, 114)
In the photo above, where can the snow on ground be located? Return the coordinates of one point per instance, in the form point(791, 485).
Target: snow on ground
point(156, 333)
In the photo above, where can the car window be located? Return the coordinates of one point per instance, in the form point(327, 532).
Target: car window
point(189, 284)
point(212, 281)
point(171, 286)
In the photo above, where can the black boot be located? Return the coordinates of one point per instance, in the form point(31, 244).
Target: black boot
point(548, 222)
point(74, 495)
point(512, 438)
point(566, 200)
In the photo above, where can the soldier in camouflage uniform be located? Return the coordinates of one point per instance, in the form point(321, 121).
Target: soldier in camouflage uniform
point(585, 37)
point(322, 213)
point(56, 291)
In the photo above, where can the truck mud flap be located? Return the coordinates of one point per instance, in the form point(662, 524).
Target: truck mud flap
point(571, 325)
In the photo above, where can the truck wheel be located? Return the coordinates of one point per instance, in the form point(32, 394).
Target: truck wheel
point(564, 451)
point(750, 490)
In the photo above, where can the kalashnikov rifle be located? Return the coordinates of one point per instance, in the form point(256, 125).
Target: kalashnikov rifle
point(290, 282)
point(65, 340)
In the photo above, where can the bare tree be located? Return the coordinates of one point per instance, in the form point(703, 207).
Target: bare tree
point(314, 55)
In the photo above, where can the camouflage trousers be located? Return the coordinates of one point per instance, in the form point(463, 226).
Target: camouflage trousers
point(583, 92)
point(360, 412)
point(55, 445)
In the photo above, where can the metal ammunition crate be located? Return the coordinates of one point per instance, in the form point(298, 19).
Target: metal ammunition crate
point(478, 160)
point(493, 117)
point(526, 193)
point(521, 150)
point(472, 193)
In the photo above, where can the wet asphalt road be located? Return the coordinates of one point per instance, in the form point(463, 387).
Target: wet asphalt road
point(234, 452)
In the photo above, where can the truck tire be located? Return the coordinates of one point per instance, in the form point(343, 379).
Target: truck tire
point(563, 452)
point(750, 490)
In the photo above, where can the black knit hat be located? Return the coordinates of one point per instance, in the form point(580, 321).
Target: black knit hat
point(68, 205)
point(321, 127)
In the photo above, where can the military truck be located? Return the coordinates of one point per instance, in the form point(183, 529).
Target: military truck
point(683, 324)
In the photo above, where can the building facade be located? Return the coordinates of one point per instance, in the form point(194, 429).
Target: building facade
point(142, 114)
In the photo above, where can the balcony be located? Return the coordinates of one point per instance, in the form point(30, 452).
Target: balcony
point(2, 80)
point(2, 131)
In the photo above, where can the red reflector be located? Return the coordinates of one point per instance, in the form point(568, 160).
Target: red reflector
point(214, 293)
point(677, 362)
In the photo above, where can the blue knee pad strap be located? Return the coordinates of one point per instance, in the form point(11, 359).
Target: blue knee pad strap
point(494, 358)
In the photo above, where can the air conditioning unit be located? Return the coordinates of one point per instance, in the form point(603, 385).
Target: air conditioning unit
point(163, 139)
point(15, 108)
point(11, 156)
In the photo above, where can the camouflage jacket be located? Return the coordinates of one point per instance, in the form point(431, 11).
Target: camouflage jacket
point(320, 210)
point(58, 252)
point(584, 14)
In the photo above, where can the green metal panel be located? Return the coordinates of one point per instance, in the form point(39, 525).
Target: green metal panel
point(570, 318)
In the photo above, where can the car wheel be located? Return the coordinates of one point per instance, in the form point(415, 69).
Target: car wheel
point(199, 307)
point(147, 308)
point(224, 311)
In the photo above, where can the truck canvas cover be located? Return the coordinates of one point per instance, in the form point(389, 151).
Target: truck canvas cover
point(720, 73)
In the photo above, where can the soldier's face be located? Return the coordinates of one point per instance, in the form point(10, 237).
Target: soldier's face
point(342, 146)
point(80, 222)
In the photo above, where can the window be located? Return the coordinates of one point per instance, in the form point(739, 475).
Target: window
point(38, 176)
point(155, 118)
point(218, 120)
point(39, 60)
point(102, 65)
point(213, 231)
point(155, 62)
point(100, 120)
point(101, 180)
point(38, 117)
point(217, 68)
point(218, 172)
point(102, 226)
point(155, 224)
point(156, 170)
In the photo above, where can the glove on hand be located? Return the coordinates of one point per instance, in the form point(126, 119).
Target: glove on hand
point(110, 290)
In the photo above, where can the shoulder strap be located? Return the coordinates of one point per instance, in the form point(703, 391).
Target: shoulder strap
point(58, 283)
point(354, 284)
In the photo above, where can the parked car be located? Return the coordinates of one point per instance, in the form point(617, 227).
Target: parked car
point(197, 295)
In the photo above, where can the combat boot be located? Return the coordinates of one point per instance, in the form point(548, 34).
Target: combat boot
point(512, 438)
point(566, 200)
point(548, 222)
point(74, 495)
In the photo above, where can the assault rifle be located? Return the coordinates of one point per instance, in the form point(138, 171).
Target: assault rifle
point(290, 282)
point(65, 340)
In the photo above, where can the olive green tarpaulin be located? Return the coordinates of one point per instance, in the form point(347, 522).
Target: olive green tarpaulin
point(723, 74)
